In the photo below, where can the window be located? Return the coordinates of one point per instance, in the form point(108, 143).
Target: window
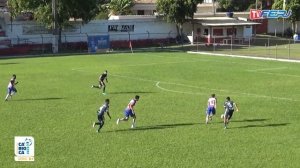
point(198, 30)
point(231, 31)
point(218, 32)
point(141, 12)
point(207, 1)
point(205, 32)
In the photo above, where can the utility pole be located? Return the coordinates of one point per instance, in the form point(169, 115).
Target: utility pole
point(214, 7)
point(256, 4)
point(283, 7)
point(55, 28)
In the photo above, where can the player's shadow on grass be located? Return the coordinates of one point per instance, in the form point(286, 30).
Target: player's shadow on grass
point(36, 99)
point(156, 127)
point(251, 120)
point(264, 125)
point(248, 120)
point(9, 63)
point(133, 92)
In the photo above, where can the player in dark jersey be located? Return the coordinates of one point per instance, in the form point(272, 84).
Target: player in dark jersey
point(100, 113)
point(11, 89)
point(229, 106)
point(102, 77)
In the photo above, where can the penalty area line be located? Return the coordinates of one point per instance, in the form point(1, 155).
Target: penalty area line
point(266, 69)
point(234, 93)
point(157, 84)
point(244, 56)
point(175, 91)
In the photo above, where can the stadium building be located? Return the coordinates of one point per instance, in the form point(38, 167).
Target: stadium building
point(144, 28)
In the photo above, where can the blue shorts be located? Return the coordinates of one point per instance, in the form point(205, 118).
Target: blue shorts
point(128, 112)
point(11, 89)
point(210, 111)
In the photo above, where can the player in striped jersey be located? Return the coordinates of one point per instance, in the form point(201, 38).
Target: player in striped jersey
point(129, 112)
point(11, 89)
point(211, 108)
point(100, 113)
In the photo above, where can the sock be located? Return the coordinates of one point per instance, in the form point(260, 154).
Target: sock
point(6, 97)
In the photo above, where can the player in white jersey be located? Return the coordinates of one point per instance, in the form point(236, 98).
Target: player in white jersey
point(129, 112)
point(211, 108)
point(100, 113)
point(11, 89)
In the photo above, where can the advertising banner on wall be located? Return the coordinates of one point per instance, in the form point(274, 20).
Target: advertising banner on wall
point(120, 28)
point(98, 43)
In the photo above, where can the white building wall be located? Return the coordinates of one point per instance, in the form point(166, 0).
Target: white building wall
point(247, 31)
point(276, 25)
point(24, 32)
point(207, 1)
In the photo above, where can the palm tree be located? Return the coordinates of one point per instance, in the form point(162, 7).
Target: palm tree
point(120, 7)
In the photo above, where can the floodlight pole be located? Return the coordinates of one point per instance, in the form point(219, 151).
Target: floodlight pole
point(55, 29)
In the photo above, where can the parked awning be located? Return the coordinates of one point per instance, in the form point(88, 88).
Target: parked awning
point(224, 21)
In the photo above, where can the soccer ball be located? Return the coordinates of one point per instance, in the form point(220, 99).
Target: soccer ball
point(222, 116)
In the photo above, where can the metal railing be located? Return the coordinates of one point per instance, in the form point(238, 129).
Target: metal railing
point(271, 47)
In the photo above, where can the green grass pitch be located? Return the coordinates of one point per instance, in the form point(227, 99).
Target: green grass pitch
point(56, 105)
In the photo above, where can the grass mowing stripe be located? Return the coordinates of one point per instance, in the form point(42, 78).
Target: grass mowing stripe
point(194, 93)
point(56, 106)
point(267, 69)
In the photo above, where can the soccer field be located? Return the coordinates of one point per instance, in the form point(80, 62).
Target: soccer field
point(56, 105)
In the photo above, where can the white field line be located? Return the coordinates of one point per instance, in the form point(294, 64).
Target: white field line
point(279, 74)
point(79, 69)
point(134, 78)
point(258, 58)
point(243, 56)
point(160, 63)
point(267, 69)
point(149, 64)
point(203, 88)
point(192, 60)
point(175, 91)
point(184, 85)
point(235, 93)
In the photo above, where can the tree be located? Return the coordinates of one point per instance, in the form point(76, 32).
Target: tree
point(294, 6)
point(234, 5)
point(66, 9)
point(103, 9)
point(120, 7)
point(178, 11)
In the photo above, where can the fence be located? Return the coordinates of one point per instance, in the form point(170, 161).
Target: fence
point(77, 43)
point(271, 47)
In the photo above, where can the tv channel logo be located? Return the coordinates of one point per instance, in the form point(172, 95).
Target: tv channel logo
point(24, 148)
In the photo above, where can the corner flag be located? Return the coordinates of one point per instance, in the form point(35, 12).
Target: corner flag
point(130, 46)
